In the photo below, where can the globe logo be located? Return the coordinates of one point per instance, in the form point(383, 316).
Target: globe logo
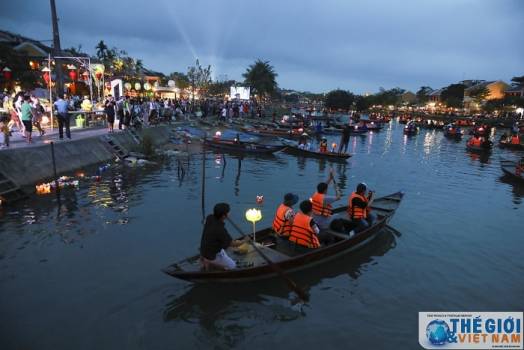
point(437, 332)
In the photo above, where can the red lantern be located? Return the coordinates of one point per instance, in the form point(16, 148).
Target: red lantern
point(98, 75)
point(72, 74)
point(46, 77)
point(7, 73)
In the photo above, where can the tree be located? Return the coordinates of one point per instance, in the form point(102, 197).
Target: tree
point(339, 99)
point(388, 97)
point(453, 95)
point(479, 94)
point(76, 51)
point(518, 80)
point(101, 50)
point(199, 77)
point(220, 88)
point(181, 80)
point(261, 77)
point(423, 94)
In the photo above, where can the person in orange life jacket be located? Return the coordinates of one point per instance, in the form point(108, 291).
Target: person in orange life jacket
point(359, 207)
point(304, 232)
point(284, 215)
point(475, 141)
point(323, 145)
point(515, 140)
point(322, 203)
point(215, 238)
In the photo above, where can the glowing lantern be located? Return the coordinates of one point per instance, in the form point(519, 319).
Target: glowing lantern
point(218, 134)
point(85, 75)
point(98, 75)
point(333, 147)
point(46, 75)
point(147, 86)
point(260, 199)
point(7, 73)
point(137, 86)
point(72, 72)
point(253, 215)
point(171, 83)
point(127, 86)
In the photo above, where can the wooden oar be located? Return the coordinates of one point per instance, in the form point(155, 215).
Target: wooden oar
point(291, 284)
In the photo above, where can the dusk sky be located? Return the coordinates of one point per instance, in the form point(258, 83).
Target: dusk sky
point(313, 45)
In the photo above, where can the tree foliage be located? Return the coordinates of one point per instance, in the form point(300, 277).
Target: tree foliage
point(339, 99)
point(261, 77)
point(220, 88)
point(199, 77)
point(453, 95)
point(479, 94)
point(117, 61)
point(518, 80)
point(423, 94)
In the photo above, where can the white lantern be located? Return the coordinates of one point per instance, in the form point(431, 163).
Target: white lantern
point(137, 86)
point(253, 215)
point(171, 83)
point(127, 86)
point(147, 86)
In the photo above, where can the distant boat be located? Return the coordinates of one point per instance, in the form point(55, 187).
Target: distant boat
point(510, 168)
point(245, 147)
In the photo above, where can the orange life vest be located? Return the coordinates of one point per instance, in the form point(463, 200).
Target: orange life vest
point(475, 142)
point(301, 232)
point(356, 212)
point(319, 208)
point(515, 140)
point(280, 225)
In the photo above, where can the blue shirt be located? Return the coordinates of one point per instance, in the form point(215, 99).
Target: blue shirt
point(61, 106)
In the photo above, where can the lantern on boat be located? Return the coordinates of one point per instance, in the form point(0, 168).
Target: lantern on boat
point(253, 215)
point(218, 134)
point(333, 147)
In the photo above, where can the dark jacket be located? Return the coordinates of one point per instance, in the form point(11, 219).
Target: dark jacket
point(214, 238)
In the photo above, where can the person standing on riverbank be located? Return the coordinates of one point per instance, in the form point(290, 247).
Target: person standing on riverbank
point(109, 109)
point(62, 107)
point(27, 118)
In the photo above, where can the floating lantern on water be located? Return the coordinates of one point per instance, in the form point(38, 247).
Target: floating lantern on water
point(253, 215)
point(260, 199)
point(43, 188)
point(218, 134)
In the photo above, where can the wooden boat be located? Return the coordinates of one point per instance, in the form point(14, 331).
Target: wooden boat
point(252, 267)
point(478, 149)
point(272, 132)
point(509, 168)
point(249, 147)
point(410, 131)
point(509, 145)
point(293, 149)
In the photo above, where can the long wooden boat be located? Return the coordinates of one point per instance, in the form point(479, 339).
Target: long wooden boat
point(509, 168)
point(247, 147)
point(272, 132)
point(410, 131)
point(251, 267)
point(509, 145)
point(293, 149)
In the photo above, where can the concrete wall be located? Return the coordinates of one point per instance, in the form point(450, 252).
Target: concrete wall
point(30, 165)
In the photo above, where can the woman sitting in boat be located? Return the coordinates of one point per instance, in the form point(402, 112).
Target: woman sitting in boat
point(215, 239)
point(323, 145)
point(359, 207)
point(284, 215)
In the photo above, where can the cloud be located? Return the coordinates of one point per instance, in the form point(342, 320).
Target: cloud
point(314, 45)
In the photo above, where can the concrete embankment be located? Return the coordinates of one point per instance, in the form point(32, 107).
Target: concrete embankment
point(30, 165)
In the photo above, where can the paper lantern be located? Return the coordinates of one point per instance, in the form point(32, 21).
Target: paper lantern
point(137, 86)
point(253, 215)
point(98, 75)
point(8, 74)
point(72, 75)
point(171, 83)
point(127, 86)
point(147, 86)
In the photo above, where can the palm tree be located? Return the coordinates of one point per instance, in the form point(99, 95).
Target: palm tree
point(261, 77)
point(101, 50)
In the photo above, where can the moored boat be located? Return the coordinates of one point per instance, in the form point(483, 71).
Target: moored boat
point(249, 147)
point(252, 266)
point(512, 169)
point(294, 149)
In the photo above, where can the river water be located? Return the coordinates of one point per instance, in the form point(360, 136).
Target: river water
point(85, 273)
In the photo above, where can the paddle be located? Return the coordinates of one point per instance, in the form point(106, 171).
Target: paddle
point(291, 284)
